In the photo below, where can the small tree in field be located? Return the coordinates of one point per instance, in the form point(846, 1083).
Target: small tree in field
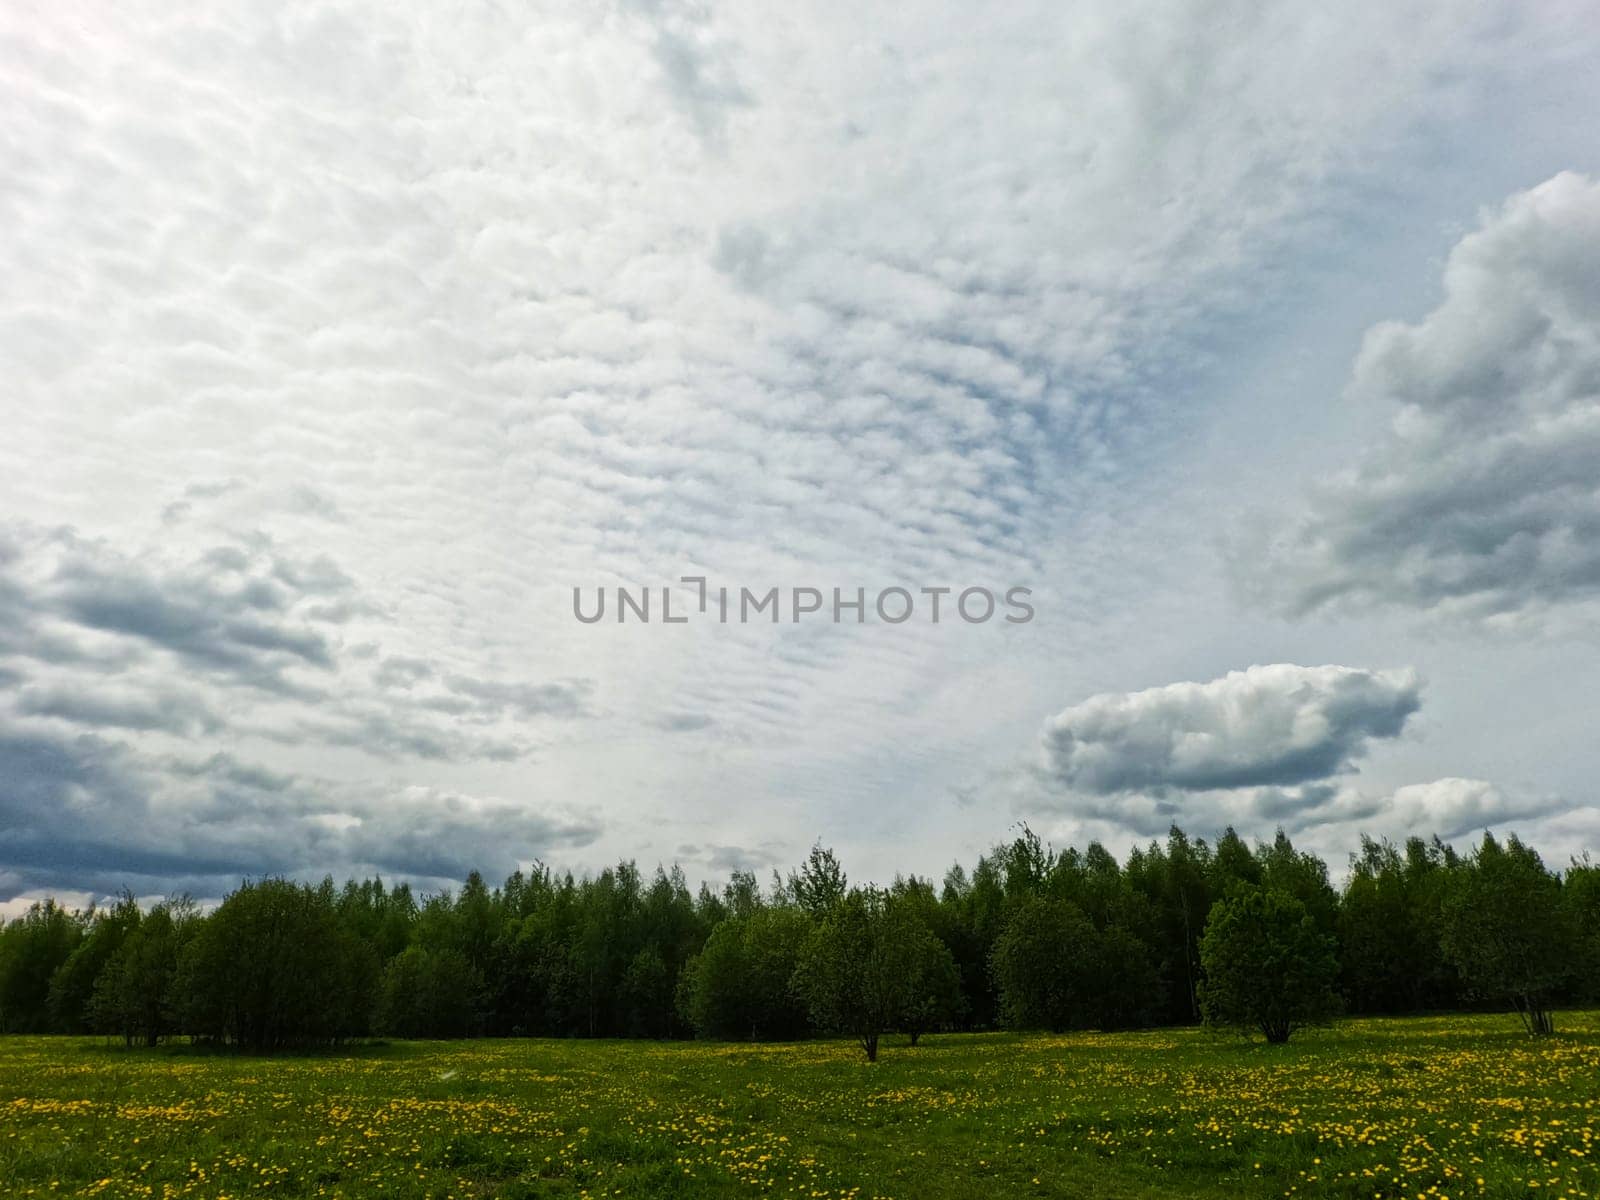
point(860, 965)
point(1267, 965)
point(1041, 966)
point(136, 994)
point(932, 997)
point(1508, 932)
point(933, 994)
point(741, 984)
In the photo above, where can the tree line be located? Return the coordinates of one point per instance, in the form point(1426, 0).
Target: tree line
point(1028, 938)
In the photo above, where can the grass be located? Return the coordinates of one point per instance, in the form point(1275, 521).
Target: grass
point(1430, 1107)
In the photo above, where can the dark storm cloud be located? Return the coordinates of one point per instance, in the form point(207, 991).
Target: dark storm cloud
point(443, 835)
point(230, 611)
point(101, 640)
point(243, 630)
point(390, 734)
point(1151, 812)
point(85, 812)
point(78, 808)
point(225, 768)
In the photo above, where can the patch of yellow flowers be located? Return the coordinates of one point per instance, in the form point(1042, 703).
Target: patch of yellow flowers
point(1433, 1109)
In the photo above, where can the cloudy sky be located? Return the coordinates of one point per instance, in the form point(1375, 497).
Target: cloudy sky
point(342, 341)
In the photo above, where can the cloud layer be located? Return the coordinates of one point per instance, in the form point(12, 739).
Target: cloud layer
point(341, 341)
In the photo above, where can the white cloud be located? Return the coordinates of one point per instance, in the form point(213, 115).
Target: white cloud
point(1454, 807)
point(1329, 818)
point(1484, 499)
point(1268, 726)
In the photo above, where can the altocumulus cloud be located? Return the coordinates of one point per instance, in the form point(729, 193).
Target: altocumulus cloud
point(1483, 501)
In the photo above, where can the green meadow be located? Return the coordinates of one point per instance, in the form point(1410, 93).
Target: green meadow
point(1429, 1107)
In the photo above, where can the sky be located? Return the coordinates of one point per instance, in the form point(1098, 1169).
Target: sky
point(343, 343)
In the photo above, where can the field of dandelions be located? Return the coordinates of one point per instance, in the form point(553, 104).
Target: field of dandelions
point(1456, 1107)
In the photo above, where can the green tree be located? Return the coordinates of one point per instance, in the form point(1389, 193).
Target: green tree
point(933, 997)
point(265, 970)
point(1232, 863)
point(136, 994)
point(647, 995)
point(1389, 929)
point(1125, 984)
point(427, 992)
point(1266, 964)
point(972, 909)
point(72, 986)
point(1175, 879)
point(33, 947)
point(740, 985)
point(860, 966)
point(1580, 896)
point(819, 884)
point(1506, 929)
point(1042, 966)
point(1303, 876)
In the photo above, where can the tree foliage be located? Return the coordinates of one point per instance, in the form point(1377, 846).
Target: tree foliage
point(1266, 964)
point(1024, 936)
point(1508, 932)
point(867, 966)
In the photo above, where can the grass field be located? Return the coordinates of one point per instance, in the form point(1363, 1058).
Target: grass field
point(1459, 1107)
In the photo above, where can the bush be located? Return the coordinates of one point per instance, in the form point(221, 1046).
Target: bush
point(1267, 966)
point(1507, 930)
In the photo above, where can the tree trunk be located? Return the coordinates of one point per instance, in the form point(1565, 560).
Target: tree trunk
point(1536, 1018)
point(869, 1043)
point(1188, 964)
